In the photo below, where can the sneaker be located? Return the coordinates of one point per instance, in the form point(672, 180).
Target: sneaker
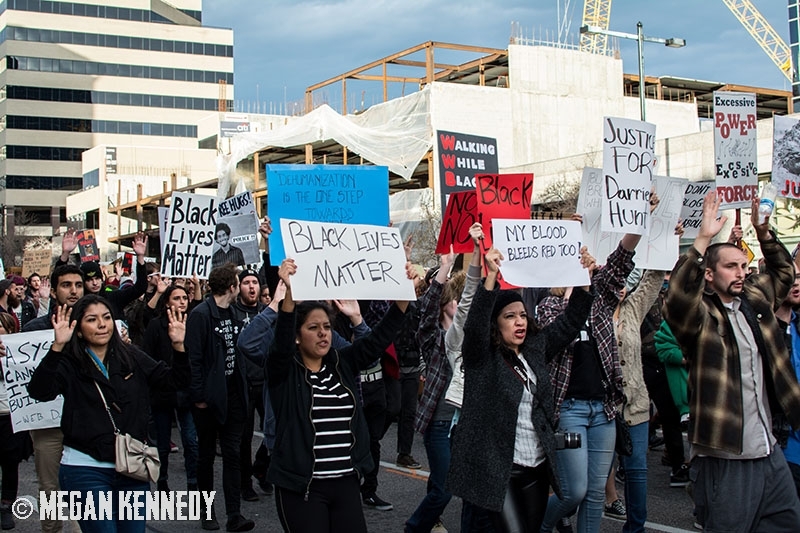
point(239, 523)
point(564, 526)
point(210, 524)
point(374, 502)
point(173, 448)
point(680, 478)
point(616, 510)
point(438, 527)
point(249, 495)
point(407, 461)
point(619, 476)
point(655, 442)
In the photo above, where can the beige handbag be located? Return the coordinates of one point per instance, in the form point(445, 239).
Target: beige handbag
point(134, 458)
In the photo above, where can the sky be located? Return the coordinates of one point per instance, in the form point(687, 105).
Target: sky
point(283, 46)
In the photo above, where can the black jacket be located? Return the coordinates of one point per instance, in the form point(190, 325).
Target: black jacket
point(157, 344)
point(290, 393)
point(483, 439)
point(84, 420)
point(206, 348)
point(244, 314)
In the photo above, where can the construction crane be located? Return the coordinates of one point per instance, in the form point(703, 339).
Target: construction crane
point(595, 13)
point(598, 13)
point(763, 33)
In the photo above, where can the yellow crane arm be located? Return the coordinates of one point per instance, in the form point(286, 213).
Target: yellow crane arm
point(595, 13)
point(763, 33)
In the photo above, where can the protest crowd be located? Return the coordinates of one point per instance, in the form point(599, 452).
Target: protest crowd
point(534, 404)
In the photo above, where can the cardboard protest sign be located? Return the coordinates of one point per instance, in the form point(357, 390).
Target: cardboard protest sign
point(540, 253)
point(692, 211)
point(189, 241)
point(502, 196)
point(590, 198)
point(353, 194)
point(461, 157)
point(349, 261)
point(786, 156)
point(240, 204)
point(87, 246)
point(38, 261)
point(628, 165)
point(24, 352)
point(735, 148)
point(236, 241)
point(659, 250)
point(460, 215)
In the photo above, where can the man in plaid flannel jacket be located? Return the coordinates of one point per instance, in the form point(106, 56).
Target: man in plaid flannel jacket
point(727, 328)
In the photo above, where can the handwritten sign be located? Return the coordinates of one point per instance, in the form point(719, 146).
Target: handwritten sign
point(540, 253)
point(659, 250)
point(189, 241)
point(461, 157)
point(24, 352)
point(240, 204)
point(460, 215)
point(590, 199)
point(349, 194)
point(87, 246)
point(351, 261)
point(163, 220)
point(38, 261)
point(502, 196)
point(692, 211)
point(735, 148)
point(786, 156)
point(628, 165)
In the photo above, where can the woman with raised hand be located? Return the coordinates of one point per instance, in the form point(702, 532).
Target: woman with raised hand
point(87, 353)
point(322, 441)
point(504, 446)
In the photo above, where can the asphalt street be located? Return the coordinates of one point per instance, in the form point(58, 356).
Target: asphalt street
point(669, 509)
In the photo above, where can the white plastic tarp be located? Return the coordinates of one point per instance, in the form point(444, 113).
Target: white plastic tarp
point(396, 134)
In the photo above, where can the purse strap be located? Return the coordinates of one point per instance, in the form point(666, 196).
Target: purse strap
point(110, 417)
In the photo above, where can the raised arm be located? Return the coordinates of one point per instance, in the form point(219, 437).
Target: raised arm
point(54, 372)
point(454, 336)
point(283, 346)
point(776, 282)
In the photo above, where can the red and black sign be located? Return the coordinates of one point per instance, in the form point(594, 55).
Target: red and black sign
point(461, 158)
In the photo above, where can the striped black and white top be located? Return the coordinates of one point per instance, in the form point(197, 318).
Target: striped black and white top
point(331, 413)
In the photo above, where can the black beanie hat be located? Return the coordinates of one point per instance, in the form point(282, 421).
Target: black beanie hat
point(91, 269)
point(503, 299)
point(249, 272)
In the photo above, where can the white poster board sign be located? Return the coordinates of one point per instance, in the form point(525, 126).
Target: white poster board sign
point(540, 253)
point(628, 165)
point(735, 148)
point(692, 211)
point(189, 241)
point(24, 352)
point(659, 251)
point(590, 198)
point(346, 261)
point(786, 156)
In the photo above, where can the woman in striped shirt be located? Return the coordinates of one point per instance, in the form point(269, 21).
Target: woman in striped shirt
point(322, 441)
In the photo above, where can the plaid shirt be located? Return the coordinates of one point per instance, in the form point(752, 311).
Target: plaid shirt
point(438, 373)
point(700, 324)
point(607, 281)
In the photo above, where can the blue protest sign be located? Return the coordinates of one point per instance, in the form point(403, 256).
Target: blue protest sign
point(350, 194)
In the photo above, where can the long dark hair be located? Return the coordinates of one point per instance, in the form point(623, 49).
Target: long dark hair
point(163, 301)
point(497, 340)
point(76, 347)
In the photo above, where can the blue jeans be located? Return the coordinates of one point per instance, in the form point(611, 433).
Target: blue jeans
point(636, 480)
point(87, 479)
point(437, 446)
point(582, 471)
point(163, 422)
